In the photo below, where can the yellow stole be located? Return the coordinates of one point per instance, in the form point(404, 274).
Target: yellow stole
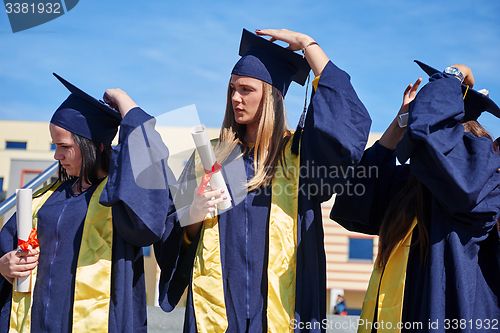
point(20, 314)
point(389, 287)
point(93, 273)
point(207, 284)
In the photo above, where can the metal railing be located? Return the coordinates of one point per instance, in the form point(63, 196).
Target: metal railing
point(39, 180)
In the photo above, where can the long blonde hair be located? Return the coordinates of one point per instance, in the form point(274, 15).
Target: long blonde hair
point(272, 135)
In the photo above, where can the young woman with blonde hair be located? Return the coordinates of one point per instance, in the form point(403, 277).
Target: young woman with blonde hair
point(260, 265)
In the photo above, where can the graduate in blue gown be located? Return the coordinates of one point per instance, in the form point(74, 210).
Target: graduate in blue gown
point(437, 217)
point(265, 268)
point(92, 224)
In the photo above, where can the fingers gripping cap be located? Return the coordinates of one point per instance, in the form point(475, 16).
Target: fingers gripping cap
point(269, 62)
point(475, 102)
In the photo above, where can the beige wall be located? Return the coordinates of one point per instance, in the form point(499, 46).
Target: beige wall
point(341, 272)
point(35, 134)
point(351, 277)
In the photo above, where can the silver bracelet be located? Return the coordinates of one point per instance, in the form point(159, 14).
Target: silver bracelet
point(403, 120)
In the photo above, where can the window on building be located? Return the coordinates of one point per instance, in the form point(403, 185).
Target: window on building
point(15, 145)
point(360, 248)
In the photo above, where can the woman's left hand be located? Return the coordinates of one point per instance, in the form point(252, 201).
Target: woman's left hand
point(315, 56)
point(296, 40)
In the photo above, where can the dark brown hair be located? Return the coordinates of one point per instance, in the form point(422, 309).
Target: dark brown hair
point(95, 156)
point(414, 201)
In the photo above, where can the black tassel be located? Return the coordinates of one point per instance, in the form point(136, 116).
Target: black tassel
point(298, 134)
point(300, 125)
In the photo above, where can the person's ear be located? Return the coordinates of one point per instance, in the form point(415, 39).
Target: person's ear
point(102, 147)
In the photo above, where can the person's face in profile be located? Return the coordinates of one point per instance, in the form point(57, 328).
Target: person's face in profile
point(67, 151)
point(246, 98)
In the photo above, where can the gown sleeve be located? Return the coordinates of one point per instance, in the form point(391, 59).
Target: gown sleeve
point(460, 170)
point(377, 179)
point(138, 184)
point(176, 258)
point(8, 242)
point(336, 129)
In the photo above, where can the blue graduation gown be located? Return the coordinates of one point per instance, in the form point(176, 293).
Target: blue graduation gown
point(335, 133)
point(139, 219)
point(458, 286)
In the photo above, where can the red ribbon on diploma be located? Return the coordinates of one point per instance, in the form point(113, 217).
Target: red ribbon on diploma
point(207, 176)
point(32, 240)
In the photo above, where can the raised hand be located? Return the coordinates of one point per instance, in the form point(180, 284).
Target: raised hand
point(119, 100)
point(409, 95)
point(467, 73)
point(315, 56)
point(395, 132)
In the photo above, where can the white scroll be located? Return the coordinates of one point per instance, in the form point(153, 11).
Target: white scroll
point(207, 156)
point(24, 226)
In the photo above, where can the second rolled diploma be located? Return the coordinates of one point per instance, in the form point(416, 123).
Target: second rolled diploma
point(210, 164)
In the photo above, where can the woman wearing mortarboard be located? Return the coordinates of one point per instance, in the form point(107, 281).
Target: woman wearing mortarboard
point(260, 265)
point(91, 224)
point(437, 217)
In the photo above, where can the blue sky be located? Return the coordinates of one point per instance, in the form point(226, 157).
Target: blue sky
point(170, 54)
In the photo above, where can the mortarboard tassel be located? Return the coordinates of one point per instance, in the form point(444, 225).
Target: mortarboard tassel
point(300, 125)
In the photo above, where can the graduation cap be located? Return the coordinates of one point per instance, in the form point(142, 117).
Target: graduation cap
point(84, 115)
point(475, 102)
point(269, 62)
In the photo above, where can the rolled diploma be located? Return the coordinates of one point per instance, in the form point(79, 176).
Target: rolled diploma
point(24, 226)
point(207, 156)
